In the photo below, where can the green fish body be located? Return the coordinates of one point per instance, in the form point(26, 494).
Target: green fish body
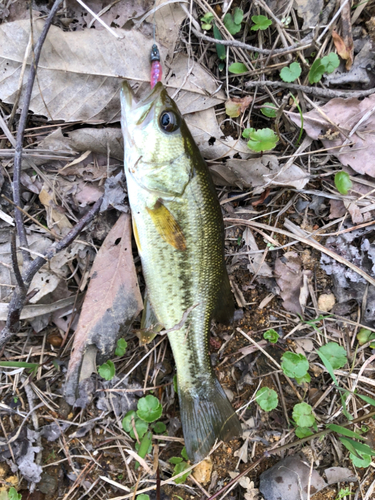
point(178, 227)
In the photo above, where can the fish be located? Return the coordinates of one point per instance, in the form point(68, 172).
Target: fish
point(179, 232)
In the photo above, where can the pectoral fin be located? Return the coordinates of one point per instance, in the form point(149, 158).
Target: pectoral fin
point(224, 309)
point(136, 237)
point(167, 226)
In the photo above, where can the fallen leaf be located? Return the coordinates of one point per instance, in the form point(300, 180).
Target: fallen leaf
point(309, 12)
point(257, 264)
point(56, 219)
point(343, 50)
point(237, 105)
point(258, 173)
point(112, 302)
point(289, 277)
point(346, 114)
point(85, 68)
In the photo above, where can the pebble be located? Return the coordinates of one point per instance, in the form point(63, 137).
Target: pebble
point(326, 301)
point(202, 472)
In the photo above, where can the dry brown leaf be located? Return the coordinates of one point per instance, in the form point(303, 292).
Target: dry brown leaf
point(258, 173)
point(346, 114)
point(112, 302)
point(289, 277)
point(237, 105)
point(309, 11)
point(80, 72)
point(343, 50)
point(56, 219)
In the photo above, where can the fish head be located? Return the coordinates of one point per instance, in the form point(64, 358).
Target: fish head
point(159, 149)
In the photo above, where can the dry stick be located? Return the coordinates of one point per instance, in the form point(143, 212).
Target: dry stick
point(313, 90)
point(305, 43)
point(19, 295)
point(21, 131)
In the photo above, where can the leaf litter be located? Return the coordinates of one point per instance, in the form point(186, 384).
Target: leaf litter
point(279, 282)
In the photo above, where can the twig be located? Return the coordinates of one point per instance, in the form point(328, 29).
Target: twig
point(304, 44)
point(312, 90)
point(21, 131)
point(19, 295)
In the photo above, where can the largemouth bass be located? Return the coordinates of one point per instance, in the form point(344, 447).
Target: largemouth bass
point(178, 228)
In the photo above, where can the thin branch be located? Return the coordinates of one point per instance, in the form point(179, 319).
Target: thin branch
point(19, 295)
point(21, 132)
point(303, 44)
point(329, 93)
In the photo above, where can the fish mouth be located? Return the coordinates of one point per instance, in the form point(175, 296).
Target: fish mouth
point(131, 104)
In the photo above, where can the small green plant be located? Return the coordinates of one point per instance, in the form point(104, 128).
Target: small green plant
point(233, 23)
point(361, 462)
point(335, 354)
point(291, 73)
point(136, 424)
point(268, 109)
point(303, 416)
point(260, 23)
point(220, 49)
point(121, 347)
point(143, 496)
point(149, 408)
point(263, 139)
point(294, 365)
point(267, 399)
point(107, 370)
point(237, 68)
point(271, 335)
point(342, 182)
point(206, 21)
point(364, 335)
point(327, 64)
point(179, 466)
point(343, 493)
point(303, 432)
point(13, 494)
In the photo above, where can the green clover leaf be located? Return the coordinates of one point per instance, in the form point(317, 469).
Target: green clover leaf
point(268, 109)
point(107, 370)
point(149, 408)
point(316, 71)
point(233, 23)
point(335, 354)
point(302, 414)
point(260, 23)
point(294, 365)
point(291, 73)
point(263, 139)
point(267, 399)
point(330, 62)
point(121, 347)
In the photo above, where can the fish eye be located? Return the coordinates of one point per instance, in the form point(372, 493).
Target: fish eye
point(169, 121)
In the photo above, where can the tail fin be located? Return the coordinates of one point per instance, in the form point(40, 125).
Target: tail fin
point(206, 415)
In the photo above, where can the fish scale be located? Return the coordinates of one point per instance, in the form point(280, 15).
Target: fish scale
point(180, 237)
